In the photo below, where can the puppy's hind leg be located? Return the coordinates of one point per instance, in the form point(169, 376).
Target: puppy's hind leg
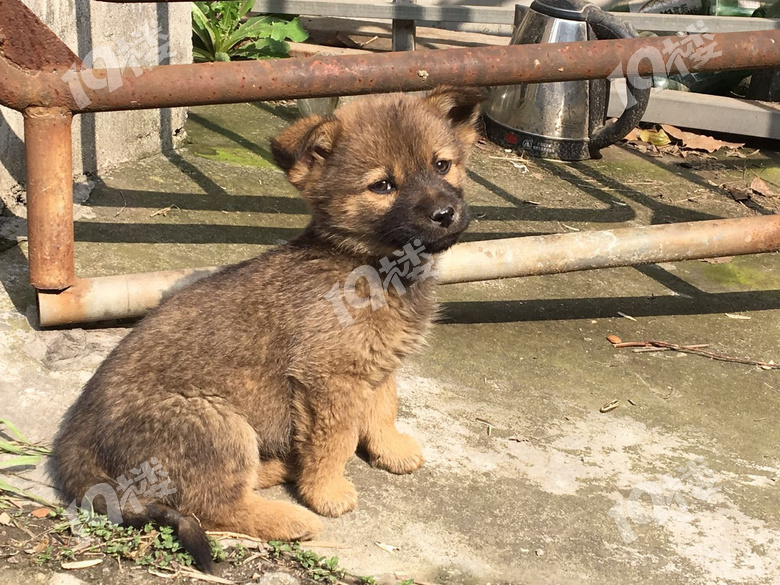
point(223, 497)
point(265, 519)
point(387, 448)
point(273, 472)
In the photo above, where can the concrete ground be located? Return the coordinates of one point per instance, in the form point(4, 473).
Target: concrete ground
point(526, 482)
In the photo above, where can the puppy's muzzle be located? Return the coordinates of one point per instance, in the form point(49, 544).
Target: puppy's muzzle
point(439, 202)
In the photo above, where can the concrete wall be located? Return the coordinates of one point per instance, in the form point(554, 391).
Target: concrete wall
point(105, 139)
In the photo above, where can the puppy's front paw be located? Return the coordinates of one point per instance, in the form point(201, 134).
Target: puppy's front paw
point(334, 498)
point(398, 453)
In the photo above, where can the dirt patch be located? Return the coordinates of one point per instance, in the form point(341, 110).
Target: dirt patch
point(45, 549)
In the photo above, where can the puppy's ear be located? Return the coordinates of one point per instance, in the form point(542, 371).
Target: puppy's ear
point(303, 145)
point(461, 106)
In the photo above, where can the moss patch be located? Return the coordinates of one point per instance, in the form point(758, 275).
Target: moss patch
point(736, 273)
point(235, 156)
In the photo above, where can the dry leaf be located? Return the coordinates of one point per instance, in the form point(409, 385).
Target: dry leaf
point(610, 406)
point(737, 316)
point(633, 135)
point(738, 193)
point(81, 564)
point(737, 154)
point(759, 186)
point(387, 547)
point(198, 576)
point(40, 512)
point(656, 138)
point(614, 339)
point(699, 141)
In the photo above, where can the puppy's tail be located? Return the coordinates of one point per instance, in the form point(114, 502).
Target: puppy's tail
point(187, 528)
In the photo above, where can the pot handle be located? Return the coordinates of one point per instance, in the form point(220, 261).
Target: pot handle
point(607, 26)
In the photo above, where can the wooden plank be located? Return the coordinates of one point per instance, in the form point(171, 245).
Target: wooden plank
point(498, 15)
point(403, 30)
point(307, 50)
point(706, 112)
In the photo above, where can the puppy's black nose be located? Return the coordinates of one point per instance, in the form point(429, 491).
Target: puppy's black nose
point(443, 216)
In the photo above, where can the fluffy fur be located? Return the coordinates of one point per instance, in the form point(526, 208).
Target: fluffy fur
point(247, 378)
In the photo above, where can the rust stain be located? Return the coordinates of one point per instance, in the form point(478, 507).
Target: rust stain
point(198, 84)
point(64, 307)
point(48, 152)
point(28, 43)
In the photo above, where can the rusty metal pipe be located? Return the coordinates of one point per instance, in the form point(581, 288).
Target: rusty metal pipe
point(132, 295)
point(571, 252)
point(321, 76)
point(113, 297)
point(48, 151)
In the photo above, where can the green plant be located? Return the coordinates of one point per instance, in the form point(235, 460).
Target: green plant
point(67, 554)
point(219, 34)
point(164, 549)
point(155, 546)
point(218, 552)
point(25, 453)
point(367, 581)
point(279, 547)
point(44, 556)
point(307, 559)
point(406, 582)
point(320, 568)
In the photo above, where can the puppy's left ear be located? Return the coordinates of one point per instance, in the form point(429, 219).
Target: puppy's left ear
point(461, 105)
point(304, 145)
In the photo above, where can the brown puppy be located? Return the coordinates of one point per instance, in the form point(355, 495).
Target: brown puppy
point(258, 374)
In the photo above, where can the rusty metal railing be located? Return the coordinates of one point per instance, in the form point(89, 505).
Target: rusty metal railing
point(36, 78)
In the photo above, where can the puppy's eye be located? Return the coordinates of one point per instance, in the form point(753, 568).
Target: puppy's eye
point(442, 166)
point(382, 187)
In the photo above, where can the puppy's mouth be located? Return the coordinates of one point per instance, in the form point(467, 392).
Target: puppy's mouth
point(432, 237)
point(440, 245)
point(439, 239)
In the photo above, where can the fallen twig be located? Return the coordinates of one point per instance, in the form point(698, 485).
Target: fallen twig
point(654, 348)
point(487, 423)
point(196, 575)
point(694, 349)
point(124, 204)
point(164, 211)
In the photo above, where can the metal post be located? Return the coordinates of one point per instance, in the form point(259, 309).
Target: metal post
point(404, 31)
point(47, 143)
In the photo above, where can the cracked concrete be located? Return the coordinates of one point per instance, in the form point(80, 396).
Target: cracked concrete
point(526, 481)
